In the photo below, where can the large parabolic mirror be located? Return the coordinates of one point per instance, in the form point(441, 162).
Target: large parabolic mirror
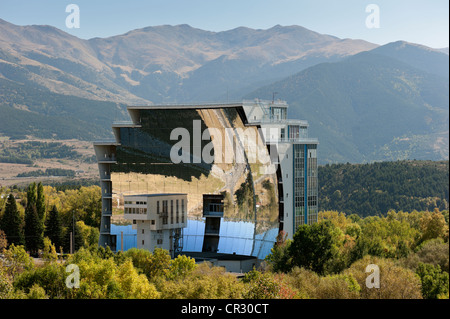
point(201, 151)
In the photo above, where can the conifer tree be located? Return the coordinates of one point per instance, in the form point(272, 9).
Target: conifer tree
point(53, 229)
point(34, 231)
point(40, 202)
point(31, 195)
point(12, 223)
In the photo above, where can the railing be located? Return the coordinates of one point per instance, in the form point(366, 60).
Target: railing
point(108, 212)
point(185, 105)
point(266, 120)
point(105, 229)
point(213, 210)
point(212, 230)
point(292, 139)
point(125, 123)
point(107, 158)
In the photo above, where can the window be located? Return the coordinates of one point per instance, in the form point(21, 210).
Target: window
point(182, 210)
point(142, 231)
point(153, 222)
point(157, 207)
point(159, 241)
point(165, 212)
point(177, 213)
point(294, 131)
point(171, 211)
point(142, 242)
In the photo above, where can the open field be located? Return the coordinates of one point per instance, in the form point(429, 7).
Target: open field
point(84, 169)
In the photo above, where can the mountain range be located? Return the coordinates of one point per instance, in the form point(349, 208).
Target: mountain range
point(365, 102)
point(370, 107)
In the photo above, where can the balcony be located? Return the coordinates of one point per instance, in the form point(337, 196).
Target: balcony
point(214, 231)
point(107, 159)
point(125, 124)
point(213, 210)
point(105, 176)
point(107, 212)
point(106, 229)
point(300, 140)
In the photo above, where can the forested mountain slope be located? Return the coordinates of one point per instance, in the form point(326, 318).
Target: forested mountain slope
point(373, 189)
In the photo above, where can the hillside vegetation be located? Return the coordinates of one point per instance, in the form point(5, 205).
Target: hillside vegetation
point(374, 189)
point(30, 111)
point(369, 107)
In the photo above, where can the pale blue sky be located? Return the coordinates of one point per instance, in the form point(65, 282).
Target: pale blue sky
point(420, 21)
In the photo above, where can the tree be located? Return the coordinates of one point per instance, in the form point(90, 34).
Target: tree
point(134, 285)
point(433, 225)
point(34, 239)
point(31, 195)
point(313, 246)
point(433, 251)
point(6, 286)
point(395, 282)
point(204, 282)
point(49, 252)
point(434, 281)
point(260, 286)
point(53, 229)
point(78, 241)
point(37, 292)
point(85, 203)
point(40, 202)
point(279, 258)
point(12, 222)
point(89, 234)
point(17, 260)
point(50, 277)
point(160, 263)
point(3, 241)
point(180, 267)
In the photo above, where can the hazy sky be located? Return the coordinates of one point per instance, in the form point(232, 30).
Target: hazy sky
point(420, 21)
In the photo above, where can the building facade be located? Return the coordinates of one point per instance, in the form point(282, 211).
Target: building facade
point(159, 220)
point(246, 172)
point(296, 157)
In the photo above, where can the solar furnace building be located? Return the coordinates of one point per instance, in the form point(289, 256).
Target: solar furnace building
point(246, 170)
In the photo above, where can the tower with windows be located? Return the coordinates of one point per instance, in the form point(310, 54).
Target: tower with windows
point(296, 157)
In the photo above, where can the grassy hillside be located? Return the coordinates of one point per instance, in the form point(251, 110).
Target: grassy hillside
point(27, 110)
point(373, 189)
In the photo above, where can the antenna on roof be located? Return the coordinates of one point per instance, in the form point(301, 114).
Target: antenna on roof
point(273, 96)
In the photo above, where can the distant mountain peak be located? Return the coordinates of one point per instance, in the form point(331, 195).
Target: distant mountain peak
point(417, 55)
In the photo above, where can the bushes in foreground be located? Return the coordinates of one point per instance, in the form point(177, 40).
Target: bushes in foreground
point(326, 260)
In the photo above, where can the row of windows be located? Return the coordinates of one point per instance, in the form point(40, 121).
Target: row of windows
point(165, 210)
point(299, 184)
point(135, 203)
point(134, 210)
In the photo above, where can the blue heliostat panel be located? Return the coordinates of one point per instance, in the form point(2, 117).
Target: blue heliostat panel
point(129, 236)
